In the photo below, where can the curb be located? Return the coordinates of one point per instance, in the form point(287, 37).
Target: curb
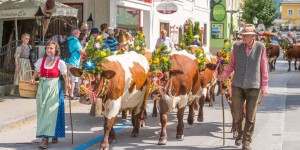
point(32, 117)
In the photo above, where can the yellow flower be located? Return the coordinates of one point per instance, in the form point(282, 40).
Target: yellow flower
point(165, 59)
point(156, 61)
point(181, 44)
point(143, 48)
point(132, 47)
point(141, 35)
point(204, 59)
point(150, 61)
point(103, 54)
point(226, 44)
point(158, 49)
point(198, 60)
point(99, 37)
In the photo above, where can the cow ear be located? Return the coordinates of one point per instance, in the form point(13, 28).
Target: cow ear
point(175, 72)
point(75, 71)
point(211, 66)
point(108, 74)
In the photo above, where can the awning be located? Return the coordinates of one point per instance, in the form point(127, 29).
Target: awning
point(25, 9)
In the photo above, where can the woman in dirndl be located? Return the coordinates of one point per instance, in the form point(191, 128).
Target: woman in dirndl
point(22, 62)
point(49, 98)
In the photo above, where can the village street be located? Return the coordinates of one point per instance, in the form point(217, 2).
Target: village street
point(277, 125)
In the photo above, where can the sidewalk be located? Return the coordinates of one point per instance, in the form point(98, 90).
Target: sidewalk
point(16, 111)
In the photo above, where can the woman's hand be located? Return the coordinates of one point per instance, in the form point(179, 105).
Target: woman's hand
point(32, 81)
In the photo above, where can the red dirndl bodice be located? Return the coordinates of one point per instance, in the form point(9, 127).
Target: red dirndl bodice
point(49, 73)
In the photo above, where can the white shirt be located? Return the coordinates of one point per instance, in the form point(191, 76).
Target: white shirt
point(166, 41)
point(61, 66)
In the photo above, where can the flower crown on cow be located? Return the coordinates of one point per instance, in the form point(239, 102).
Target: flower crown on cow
point(93, 56)
point(160, 60)
point(201, 57)
point(138, 45)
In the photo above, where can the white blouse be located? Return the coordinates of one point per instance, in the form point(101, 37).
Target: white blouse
point(62, 67)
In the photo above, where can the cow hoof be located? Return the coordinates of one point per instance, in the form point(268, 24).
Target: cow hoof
point(190, 120)
point(210, 105)
point(154, 115)
point(200, 119)
point(134, 135)
point(180, 137)
point(143, 124)
point(162, 141)
point(105, 148)
point(113, 141)
point(289, 69)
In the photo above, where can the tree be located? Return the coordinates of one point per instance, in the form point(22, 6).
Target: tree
point(264, 10)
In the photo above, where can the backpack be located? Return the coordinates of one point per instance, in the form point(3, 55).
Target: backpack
point(65, 52)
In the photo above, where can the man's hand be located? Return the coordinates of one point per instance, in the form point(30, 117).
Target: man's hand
point(263, 94)
point(32, 81)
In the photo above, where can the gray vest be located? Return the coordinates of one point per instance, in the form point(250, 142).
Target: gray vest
point(25, 51)
point(247, 68)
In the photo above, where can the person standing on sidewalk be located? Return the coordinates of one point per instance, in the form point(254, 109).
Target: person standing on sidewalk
point(49, 98)
point(164, 40)
point(22, 61)
point(249, 81)
point(76, 51)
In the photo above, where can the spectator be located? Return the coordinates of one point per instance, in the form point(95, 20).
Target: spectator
point(110, 41)
point(104, 28)
point(263, 40)
point(274, 39)
point(291, 38)
point(94, 32)
point(164, 39)
point(22, 61)
point(196, 41)
point(116, 35)
point(83, 37)
point(76, 51)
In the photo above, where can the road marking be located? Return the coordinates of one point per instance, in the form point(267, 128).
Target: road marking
point(98, 139)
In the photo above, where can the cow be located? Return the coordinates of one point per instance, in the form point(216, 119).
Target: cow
point(293, 52)
point(122, 85)
point(208, 83)
point(178, 88)
point(272, 55)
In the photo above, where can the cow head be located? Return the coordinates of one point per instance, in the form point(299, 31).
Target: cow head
point(92, 85)
point(161, 82)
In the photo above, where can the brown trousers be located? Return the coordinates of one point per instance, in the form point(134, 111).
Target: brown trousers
point(239, 95)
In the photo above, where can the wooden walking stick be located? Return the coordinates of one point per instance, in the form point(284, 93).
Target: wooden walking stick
point(70, 110)
point(222, 99)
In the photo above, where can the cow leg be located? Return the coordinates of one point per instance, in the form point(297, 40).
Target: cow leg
point(124, 114)
point(274, 64)
point(212, 95)
point(207, 97)
point(108, 125)
point(200, 112)
point(191, 115)
point(180, 126)
point(289, 65)
point(136, 125)
point(154, 114)
point(112, 136)
point(163, 134)
point(270, 66)
point(295, 64)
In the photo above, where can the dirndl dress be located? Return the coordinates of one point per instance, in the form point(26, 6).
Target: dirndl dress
point(50, 100)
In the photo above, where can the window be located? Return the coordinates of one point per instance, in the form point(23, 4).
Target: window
point(290, 12)
point(298, 12)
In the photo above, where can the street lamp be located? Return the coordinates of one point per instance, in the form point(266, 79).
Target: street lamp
point(255, 21)
point(240, 15)
point(90, 21)
point(39, 16)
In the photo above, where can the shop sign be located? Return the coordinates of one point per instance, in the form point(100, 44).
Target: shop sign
point(219, 12)
point(166, 8)
point(17, 13)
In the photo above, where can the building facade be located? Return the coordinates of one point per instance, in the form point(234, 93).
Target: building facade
point(290, 10)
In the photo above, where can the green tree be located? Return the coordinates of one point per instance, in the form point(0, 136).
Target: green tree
point(263, 10)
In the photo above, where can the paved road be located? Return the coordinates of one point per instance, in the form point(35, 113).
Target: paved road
point(277, 125)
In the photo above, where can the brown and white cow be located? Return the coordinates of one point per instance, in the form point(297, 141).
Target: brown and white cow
point(272, 55)
point(123, 85)
point(178, 88)
point(208, 83)
point(293, 52)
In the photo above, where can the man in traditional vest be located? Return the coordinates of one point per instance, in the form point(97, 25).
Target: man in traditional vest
point(249, 63)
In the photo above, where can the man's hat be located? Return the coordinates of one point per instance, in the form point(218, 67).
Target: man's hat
point(249, 29)
point(110, 31)
point(94, 31)
point(196, 36)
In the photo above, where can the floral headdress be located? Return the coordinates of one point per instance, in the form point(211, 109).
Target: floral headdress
point(201, 58)
point(93, 56)
point(138, 45)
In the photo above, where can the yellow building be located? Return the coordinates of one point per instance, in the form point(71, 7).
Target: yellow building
point(290, 10)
